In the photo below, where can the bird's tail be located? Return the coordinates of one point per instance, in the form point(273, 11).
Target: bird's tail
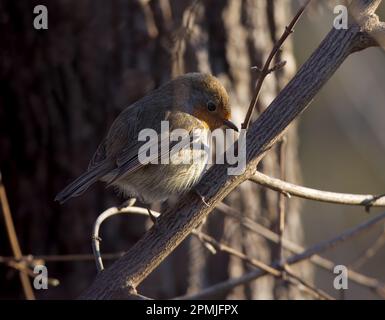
point(82, 183)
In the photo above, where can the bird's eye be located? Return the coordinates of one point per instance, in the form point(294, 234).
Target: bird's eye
point(211, 106)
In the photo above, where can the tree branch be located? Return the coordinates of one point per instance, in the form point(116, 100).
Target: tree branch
point(363, 280)
point(176, 223)
point(13, 240)
point(226, 286)
point(266, 70)
point(318, 293)
point(369, 252)
point(101, 218)
point(290, 189)
point(207, 240)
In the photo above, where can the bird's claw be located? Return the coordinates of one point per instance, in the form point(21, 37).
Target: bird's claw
point(201, 197)
point(152, 217)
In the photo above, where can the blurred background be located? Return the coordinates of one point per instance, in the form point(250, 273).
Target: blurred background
point(61, 88)
point(342, 147)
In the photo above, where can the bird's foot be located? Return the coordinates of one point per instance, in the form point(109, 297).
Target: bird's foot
point(152, 217)
point(201, 197)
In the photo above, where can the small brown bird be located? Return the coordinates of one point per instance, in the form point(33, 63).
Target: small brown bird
point(191, 101)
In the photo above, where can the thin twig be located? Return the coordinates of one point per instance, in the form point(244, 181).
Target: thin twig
point(281, 200)
point(76, 257)
point(290, 189)
point(105, 215)
point(116, 211)
point(378, 243)
point(363, 280)
point(126, 294)
point(12, 236)
point(202, 236)
point(25, 270)
point(220, 246)
point(149, 19)
point(225, 248)
point(228, 285)
point(216, 244)
point(312, 289)
point(180, 37)
point(266, 70)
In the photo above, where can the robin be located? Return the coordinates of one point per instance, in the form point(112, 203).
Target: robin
point(191, 101)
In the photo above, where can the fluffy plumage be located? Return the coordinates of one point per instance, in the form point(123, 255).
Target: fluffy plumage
point(184, 103)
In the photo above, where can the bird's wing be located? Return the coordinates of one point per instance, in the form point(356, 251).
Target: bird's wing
point(123, 134)
point(127, 161)
point(99, 155)
point(104, 160)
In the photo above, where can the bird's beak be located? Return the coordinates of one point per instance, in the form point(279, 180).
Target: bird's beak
point(230, 125)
